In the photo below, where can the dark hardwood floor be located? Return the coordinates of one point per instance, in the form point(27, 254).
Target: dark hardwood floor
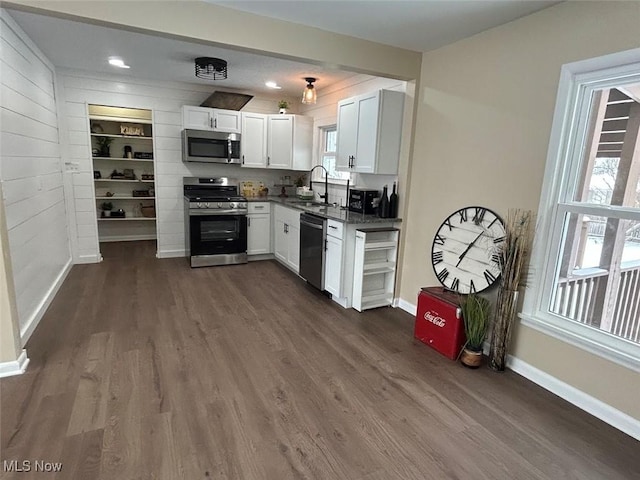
point(148, 369)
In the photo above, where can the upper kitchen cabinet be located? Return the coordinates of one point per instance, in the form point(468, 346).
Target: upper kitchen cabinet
point(277, 141)
point(214, 119)
point(370, 132)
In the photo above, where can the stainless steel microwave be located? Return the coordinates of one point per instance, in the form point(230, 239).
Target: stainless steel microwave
point(210, 147)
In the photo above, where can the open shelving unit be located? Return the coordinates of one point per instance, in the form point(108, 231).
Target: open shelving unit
point(122, 153)
point(374, 267)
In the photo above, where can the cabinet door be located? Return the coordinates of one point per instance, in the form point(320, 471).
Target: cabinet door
point(197, 118)
point(333, 266)
point(258, 234)
point(346, 131)
point(253, 141)
point(367, 133)
point(280, 141)
point(226, 121)
point(281, 247)
point(293, 240)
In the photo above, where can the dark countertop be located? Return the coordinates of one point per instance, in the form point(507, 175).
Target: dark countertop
point(330, 212)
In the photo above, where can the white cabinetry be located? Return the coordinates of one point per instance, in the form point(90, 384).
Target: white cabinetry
point(287, 236)
point(276, 141)
point(333, 258)
point(370, 132)
point(253, 142)
point(259, 228)
point(214, 119)
point(374, 267)
point(123, 169)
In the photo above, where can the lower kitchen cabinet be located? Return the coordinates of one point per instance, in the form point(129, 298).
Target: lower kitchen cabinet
point(287, 236)
point(333, 259)
point(374, 267)
point(259, 228)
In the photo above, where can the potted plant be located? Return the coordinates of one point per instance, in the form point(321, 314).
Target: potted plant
point(476, 312)
point(104, 149)
point(283, 105)
point(106, 209)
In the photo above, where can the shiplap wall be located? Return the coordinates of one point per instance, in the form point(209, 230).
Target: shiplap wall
point(31, 174)
point(79, 89)
point(325, 112)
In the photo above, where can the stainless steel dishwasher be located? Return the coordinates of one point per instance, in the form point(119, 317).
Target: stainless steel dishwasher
point(313, 232)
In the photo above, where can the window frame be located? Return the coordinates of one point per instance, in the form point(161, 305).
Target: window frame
point(318, 175)
point(567, 142)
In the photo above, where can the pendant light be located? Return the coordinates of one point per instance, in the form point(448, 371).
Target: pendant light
point(309, 93)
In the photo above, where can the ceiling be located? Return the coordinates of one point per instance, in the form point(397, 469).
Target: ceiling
point(416, 25)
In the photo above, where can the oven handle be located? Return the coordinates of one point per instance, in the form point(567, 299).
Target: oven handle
point(200, 212)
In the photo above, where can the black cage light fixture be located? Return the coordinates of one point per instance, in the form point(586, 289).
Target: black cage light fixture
point(309, 93)
point(211, 68)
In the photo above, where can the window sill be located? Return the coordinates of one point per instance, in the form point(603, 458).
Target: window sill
point(622, 352)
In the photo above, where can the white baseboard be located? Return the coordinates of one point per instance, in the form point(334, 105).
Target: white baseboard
point(83, 259)
point(597, 408)
point(15, 367)
point(171, 253)
point(406, 306)
point(31, 323)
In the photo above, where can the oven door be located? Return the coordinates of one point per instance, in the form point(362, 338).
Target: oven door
point(217, 237)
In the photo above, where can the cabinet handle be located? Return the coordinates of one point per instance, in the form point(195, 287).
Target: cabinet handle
point(259, 207)
point(243, 159)
point(215, 123)
point(268, 160)
point(211, 122)
point(333, 226)
point(326, 245)
point(248, 222)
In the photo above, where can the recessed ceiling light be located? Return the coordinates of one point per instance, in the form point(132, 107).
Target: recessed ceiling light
point(273, 85)
point(118, 62)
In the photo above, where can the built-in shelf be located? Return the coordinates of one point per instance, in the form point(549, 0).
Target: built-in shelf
point(125, 198)
point(117, 135)
point(122, 180)
point(374, 267)
point(124, 159)
point(117, 219)
point(111, 135)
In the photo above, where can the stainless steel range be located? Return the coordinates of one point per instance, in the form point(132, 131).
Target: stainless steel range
point(215, 221)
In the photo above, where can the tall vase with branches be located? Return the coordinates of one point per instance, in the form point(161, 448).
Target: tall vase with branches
point(514, 256)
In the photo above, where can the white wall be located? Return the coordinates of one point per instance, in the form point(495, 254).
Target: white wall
point(31, 175)
point(78, 89)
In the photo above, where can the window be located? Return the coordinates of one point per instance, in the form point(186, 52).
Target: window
point(585, 285)
point(327, 156)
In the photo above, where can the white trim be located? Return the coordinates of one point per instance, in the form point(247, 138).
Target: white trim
point(171, 253)
point(407, 307)
point(31, 324)
point(15, 367)
point(82, 259)
point(597, 408)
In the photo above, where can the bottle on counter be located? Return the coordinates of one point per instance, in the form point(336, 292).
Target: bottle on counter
point(393, 203)
point(383, 206)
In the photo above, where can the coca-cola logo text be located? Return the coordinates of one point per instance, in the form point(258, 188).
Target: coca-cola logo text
point(434, 318)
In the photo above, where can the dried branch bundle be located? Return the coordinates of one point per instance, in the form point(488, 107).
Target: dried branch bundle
point(514, 258)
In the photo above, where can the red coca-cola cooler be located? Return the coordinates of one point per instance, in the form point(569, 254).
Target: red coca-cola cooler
point(439, 321)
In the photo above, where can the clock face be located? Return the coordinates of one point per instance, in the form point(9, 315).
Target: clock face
point(466, 250)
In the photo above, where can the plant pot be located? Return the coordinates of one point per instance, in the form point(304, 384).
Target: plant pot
point(282, 111)
point(471, 358)
point(106, 213)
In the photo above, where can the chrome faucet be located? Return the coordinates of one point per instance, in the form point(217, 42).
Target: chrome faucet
point(326, 183)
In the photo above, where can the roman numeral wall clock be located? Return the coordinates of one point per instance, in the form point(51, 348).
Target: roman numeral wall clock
point(466, 249)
